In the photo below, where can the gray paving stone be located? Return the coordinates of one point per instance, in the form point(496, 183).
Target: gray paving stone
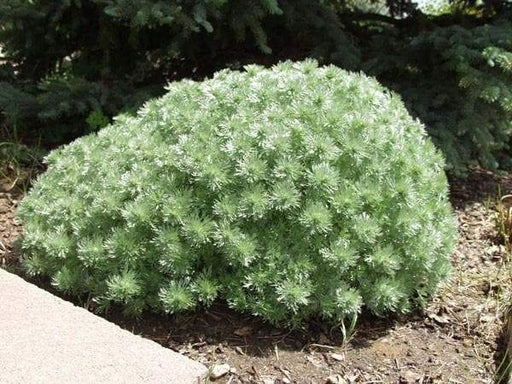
point(46, 340)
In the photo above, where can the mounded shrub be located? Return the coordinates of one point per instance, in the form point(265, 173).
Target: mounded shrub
point(289, 192)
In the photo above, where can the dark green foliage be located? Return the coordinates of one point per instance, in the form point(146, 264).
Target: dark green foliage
point(458, 81)
point(62, 108)
point(290, 193)
point(187, 18)
point(82, 57)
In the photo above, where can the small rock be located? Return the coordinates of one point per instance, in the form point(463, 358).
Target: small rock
point(219, 370)
point(286, 380)
point(336, 379)
point(409, 377)
point(337, 356)
point(239, 351)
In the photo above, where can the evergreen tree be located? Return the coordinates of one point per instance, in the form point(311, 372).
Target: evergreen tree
point(458, 81)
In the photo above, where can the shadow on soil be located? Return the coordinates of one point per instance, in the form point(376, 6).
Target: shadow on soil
point(479, 186)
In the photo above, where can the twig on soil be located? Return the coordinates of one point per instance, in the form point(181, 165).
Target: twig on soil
point(318, 346)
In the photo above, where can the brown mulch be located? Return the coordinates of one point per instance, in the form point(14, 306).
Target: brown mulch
point(10, 228)
point(456, 339)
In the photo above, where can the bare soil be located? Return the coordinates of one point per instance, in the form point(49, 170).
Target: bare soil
point(456, 339)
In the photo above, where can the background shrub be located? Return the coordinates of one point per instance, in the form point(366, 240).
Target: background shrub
point(458, 81)
point(292, 192)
